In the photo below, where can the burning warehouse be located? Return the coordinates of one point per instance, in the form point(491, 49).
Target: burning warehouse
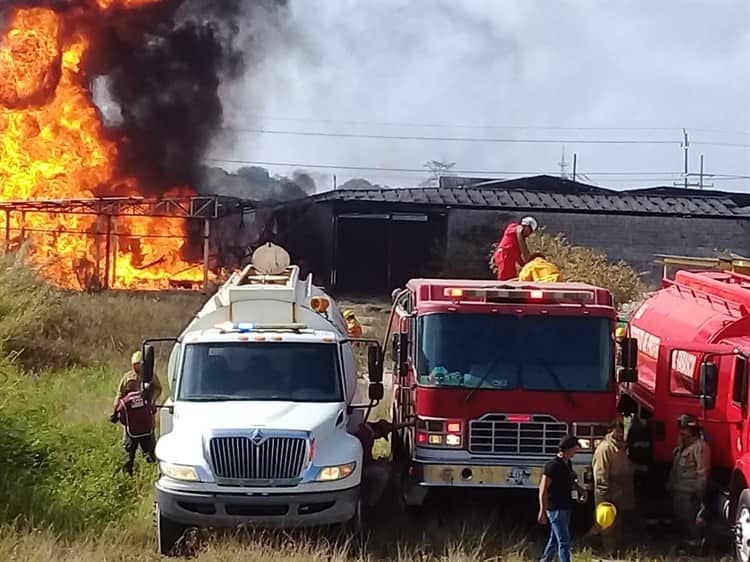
point(158, 63)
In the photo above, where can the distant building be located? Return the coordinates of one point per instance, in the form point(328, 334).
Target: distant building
point(372, 240)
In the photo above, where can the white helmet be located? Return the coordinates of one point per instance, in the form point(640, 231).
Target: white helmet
point(530, 222)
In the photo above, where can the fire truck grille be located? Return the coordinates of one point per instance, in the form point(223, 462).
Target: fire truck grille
point(500, 434)
point(275, 459)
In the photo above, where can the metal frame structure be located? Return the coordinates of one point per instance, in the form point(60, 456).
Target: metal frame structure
point(735, 264)
point(205, 208)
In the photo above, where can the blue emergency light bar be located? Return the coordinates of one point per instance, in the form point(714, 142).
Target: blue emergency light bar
point(246, 327)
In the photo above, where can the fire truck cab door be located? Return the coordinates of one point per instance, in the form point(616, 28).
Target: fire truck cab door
point(735, 370)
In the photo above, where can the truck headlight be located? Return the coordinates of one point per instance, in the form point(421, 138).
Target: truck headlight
point(584, 443)
point(179, 472)
point(336, 472)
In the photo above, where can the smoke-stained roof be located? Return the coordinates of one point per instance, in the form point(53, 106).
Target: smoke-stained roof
point(495, 197)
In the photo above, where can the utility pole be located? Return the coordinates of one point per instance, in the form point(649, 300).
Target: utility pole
point(563, 165)
point(700, 176)
point(685, 145)
point(575, 162)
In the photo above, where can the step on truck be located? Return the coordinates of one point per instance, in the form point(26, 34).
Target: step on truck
point(693, 340)
point(492, 375)
point(263, 384)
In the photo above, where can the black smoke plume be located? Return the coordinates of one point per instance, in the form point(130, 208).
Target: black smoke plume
point(164, 64)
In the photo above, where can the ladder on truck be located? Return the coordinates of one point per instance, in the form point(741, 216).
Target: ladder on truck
point(731, 263)
point(727, 289)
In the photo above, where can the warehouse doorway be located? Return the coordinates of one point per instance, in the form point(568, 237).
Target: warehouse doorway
point(376, 253)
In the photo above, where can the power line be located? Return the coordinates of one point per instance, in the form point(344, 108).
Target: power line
point(455, 139)
point(424, 170)
point(490, 126)
point(721, 131)
point(458, 125)
point(731, 144)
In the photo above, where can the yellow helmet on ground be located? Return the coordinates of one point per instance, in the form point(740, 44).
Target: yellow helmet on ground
point(605, 515)
point(136, 358)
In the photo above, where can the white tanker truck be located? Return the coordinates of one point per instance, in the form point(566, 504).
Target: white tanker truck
point(258, 426)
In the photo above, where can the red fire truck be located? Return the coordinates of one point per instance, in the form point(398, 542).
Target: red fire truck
point(693, 340)
point(492, 374)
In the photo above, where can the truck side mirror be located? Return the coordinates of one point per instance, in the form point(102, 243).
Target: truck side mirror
point(375, 364)
point(709, 375)
point(400, 352)
point(376, 391)
point(628, 369)
point(147, 363)
point(147, 370)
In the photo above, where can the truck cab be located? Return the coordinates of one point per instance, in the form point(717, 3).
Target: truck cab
point(258, 428)
point(493, 375)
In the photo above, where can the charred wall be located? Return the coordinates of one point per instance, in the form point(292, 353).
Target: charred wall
point(633, 239)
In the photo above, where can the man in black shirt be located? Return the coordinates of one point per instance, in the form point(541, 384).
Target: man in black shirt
point(556, 499)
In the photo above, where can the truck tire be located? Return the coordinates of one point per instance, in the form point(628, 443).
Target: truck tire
point(168, 533)
point(742, 528)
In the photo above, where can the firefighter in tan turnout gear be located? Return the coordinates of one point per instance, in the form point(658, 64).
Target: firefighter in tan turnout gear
point(134, 374)
point(689, 477)
point(613, 483)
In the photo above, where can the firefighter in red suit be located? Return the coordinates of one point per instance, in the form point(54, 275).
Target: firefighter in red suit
point(136, 413)
point(512, 252)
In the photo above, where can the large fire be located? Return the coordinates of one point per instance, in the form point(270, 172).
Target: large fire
point(53, 146)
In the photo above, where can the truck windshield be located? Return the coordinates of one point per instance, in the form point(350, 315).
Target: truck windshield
point(291, 372)
point(506, 352)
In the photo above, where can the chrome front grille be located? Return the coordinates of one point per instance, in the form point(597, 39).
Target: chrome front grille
point(242, 459)
point(510, 434)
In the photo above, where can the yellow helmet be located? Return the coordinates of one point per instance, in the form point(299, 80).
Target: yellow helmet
point(605, 515)
point(621, 331)
point(136, 358)
point(348, 314)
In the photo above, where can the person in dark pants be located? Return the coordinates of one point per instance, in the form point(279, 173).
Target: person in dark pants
point(136, 413)
point(556, 500)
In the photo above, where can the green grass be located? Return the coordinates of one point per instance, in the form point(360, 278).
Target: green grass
point(62, 496)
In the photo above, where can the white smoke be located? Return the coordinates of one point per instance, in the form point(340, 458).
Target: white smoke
point(526, 62)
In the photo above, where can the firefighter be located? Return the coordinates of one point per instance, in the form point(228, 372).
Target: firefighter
point(375, 472)
point(135, 375)
point(540, 269)
point(613, 482)
point(353, 327)
point(512, 251)
point(136, 413)
point(688, 478)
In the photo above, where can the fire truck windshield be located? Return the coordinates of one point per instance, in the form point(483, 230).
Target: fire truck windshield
point(507, 352)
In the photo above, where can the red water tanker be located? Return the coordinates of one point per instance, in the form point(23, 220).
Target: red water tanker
point(693, 339)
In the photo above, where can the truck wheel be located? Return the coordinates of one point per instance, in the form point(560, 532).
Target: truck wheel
point(168, 533)
point(742, 528)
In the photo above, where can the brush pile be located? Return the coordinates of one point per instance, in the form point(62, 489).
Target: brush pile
point(586, 265)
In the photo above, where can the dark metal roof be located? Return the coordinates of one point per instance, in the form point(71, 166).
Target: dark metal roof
point(532, 183)
point(521, 199)
point(740, 198)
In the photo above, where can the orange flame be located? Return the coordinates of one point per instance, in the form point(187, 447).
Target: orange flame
point(52, 146)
